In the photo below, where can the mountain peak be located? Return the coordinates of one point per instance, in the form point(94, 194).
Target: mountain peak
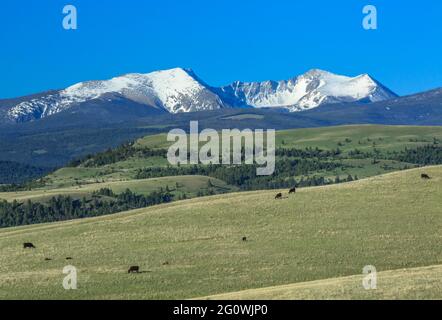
point(309, 90)
point(174, 71)
point(317, 72)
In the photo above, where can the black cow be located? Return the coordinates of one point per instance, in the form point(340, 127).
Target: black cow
point(69, 258)
point(244, 238)
point(134, 269)
point(278, 196)
point(28, 245)
point(425, 176)
point(292, 190)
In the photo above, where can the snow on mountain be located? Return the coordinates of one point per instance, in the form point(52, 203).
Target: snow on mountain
point(175, 90)
point(308, 91)
point(180, 90)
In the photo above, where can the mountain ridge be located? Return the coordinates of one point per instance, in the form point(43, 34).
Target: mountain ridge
point(180, 90)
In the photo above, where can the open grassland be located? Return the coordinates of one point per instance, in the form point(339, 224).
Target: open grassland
point(392, 221)
point(190, 185)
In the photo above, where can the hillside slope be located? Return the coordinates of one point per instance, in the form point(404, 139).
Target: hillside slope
point(412, 283)
point(194, 248)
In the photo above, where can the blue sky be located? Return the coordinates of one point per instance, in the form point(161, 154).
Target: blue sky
point(222, 41)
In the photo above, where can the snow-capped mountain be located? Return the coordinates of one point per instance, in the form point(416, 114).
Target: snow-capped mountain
point(175, 90)
point(180, 90)
point(310, 90)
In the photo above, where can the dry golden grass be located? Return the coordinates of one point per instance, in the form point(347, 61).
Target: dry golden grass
point(412, 283)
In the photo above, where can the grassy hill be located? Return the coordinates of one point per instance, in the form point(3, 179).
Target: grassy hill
point(189, 185)
point(386, 137)
point(194, 248)
point(378, 148)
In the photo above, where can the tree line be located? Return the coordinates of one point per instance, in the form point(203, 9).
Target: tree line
point(425, 155)
point(244, 176)
point(60, 208)
point(120, 153)
point(15, 173)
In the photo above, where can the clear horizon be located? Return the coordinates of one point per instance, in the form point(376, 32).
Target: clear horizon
point(221, 42)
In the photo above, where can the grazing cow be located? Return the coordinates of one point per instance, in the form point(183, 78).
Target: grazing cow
point(425, 176)
point(69, 258)
point(134, 269)
point(244, 238)
point(48, 259)
point(28, 245)
point(292, 190)
point(165, 263)
point(278, 196)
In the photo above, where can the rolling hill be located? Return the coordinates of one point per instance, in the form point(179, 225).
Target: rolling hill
point(378, 142)
point(138, 174)
point(194, 248)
